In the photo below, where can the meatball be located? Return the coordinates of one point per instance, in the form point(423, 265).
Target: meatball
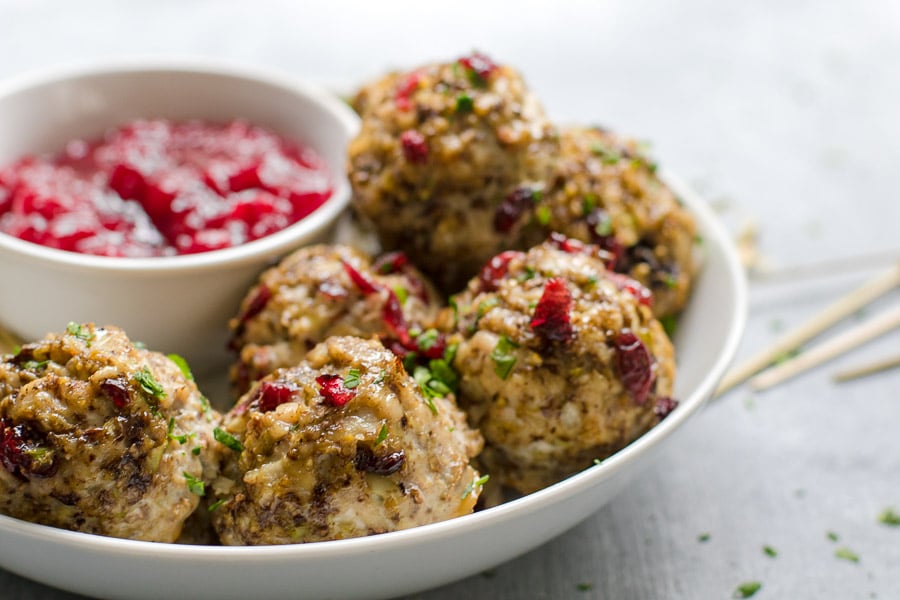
point(345, 444)
point(448, 161)
point(606, 192)
point(321, 291)
point(99, 436)
point(560, 362)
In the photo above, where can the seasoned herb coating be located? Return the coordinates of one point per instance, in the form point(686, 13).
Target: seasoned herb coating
point(545, 370)
point(448, 162)
point(311, 295)
point(342, 445)
point(102, 437)
point(606, 192)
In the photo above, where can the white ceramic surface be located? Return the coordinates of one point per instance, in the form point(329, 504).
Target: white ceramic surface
point(173, 304)
point(405, 561)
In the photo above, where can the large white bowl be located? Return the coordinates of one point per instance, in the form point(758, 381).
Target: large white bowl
point(405, 561)
point(173, 304)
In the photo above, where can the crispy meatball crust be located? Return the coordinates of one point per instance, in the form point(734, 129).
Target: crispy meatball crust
point(313, 469)
point(448, 161)
point(606, 192)
point(549, 402)
point(311, 295)
point(102, 437)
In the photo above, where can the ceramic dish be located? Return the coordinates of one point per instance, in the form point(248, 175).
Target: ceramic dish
point(405, 561)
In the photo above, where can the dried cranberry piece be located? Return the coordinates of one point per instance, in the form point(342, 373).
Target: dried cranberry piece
point(257, 303)
point(513, 206)
point(435, 349)
point(415, 149)
point(495, 270)
point(365, 286)
point(552, 320)
point(565, 244)
point(407, 86)
point(634, 365)
point(272, 394)
point(392, 314)
point(116, 389)
point(627, 284)
point(379, 464)
point(390, 262)
point(21, 453)
point(664, 406)
point(479, 65)
point(332, 389)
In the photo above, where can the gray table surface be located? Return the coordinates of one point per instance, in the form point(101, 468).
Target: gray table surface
point(786, 112)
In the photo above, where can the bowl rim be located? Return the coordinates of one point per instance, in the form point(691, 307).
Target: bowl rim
point(515, 509)
point(270, 245)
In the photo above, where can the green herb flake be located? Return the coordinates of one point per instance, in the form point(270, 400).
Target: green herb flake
point(503, 357)
point(671, 281)
point(204, 403)
point(35, 365)
point(670, 324)
point(422, 375)
point(382, 435)
point(195, 450)
point(769, 551)
point(889, 517)
point(81, 332)
point(442, 371)
point(542, 214)
point(402, 294)
point(832, 536)
point(427, 339)
point(195, 485)
point(216, 504)
point(747, 590)
point(464, 104)
point(182, 364)
point(609, 156)
point(227, 440)
point(604, 227)
point(485, 306)
point(584, 587)
point(527, 274)
point(598, 461)
point(476, 484)
point(16, 349)
point(181, 439)
point(149, 384)
point(588, 204)
point(381, 376)
point(703, 538)
point(352, 379)
point(845, 553)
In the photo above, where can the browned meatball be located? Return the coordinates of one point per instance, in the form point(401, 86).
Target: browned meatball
point(560, 362)
point(607, 192)
point(344, 444)
point(99, 436)
point(321, 291)
point(448, 162)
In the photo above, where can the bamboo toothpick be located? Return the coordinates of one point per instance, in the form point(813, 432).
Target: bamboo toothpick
point(792, 340)
point(870, 369)
point(824, 352)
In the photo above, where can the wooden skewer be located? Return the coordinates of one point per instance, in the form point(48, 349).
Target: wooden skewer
point(792, 340)
point(862, 371)
point(836, 346)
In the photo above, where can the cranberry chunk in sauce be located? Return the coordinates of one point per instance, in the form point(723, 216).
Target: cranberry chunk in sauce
point(552, 319)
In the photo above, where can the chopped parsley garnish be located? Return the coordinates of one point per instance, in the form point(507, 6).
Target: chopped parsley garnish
point(527, 274)
point(382, 435)
point(182, 364)
point(204, 403)
point(195, 485)
point(34, 365)
point(402, 294)
point(464, 104)
point(181, 439)
point(149, 384)
point(832, 536)
point(670, 324)
point(889, 517)
point(423, 377)
point(609, 156)
point(352, 379)
point(584, 587)
point(770, 551)
point(485, 306)
point(748, 589)
point(670, 280)
point(16, 349)
point(228, 440)
point(81, 332)
point(588, 204)
point(427, 340)
point(604, 226)
point(845, 553)
point(195, 450)
point(542, 214)
point(503, 357)
point(703, 538)
point(381, 376)
point(477, 483)
point(216, 504)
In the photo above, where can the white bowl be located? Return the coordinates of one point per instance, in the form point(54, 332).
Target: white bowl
point(405, 561)
point(173, 304)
